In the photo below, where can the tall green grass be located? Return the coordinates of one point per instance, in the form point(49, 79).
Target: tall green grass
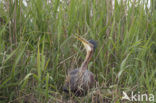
point(37, 48)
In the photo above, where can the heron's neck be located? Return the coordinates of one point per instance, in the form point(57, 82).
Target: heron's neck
point(84, 65)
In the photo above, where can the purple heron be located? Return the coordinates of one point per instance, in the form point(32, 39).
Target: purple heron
point(80, 80)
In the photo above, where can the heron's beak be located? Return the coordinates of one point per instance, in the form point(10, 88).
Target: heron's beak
point(87, 45)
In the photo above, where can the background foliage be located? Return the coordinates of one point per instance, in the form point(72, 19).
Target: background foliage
point(37, 48)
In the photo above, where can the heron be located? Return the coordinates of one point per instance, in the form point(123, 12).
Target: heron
point(80, 80)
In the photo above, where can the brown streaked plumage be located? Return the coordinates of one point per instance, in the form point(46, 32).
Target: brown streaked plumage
point(80, 80)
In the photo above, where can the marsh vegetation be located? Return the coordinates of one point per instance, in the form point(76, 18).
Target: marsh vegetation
point(37, 48)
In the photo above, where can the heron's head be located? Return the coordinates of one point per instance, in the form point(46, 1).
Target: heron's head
point(93, 43)
point(90, 45)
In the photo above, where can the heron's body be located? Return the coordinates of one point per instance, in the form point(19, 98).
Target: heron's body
point(80, 80)
point(77, 83)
